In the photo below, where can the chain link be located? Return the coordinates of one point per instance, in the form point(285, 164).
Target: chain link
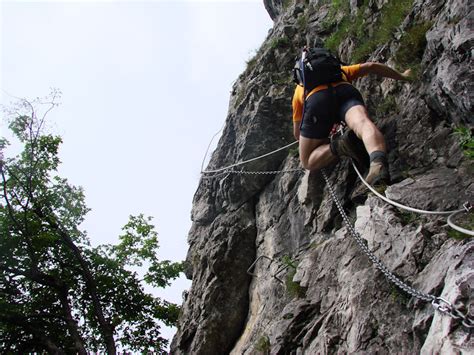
point(438, 303)
point(245, 161)
point(269, 172)
point(455, 312)
point(247, 172)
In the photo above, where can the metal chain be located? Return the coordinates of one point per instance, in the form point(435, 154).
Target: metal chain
point(438, 303)
point(455, 312)
point(205, 177)
point(372, 257)
point(247, 172)
point(248, 160)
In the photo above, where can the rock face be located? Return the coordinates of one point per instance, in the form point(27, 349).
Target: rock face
point(310, 288)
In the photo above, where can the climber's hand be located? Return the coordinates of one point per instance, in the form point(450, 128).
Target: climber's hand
point(408, 75)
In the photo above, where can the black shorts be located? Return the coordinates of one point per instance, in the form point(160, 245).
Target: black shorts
point(323, 109)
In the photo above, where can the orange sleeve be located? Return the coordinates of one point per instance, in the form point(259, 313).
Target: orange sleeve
point(352, 72)
point(297, 103)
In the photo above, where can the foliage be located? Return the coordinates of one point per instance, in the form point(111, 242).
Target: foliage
point(282, 79)
point(286, 3)
point(391, 17)
point(302, 21)
point(342, 28)
point(412, 46)
point(388, 105)
point(294, 152)
point(57, 293)
point(251, 62)
point(293, 288)
point(280, 42)
point(337, 7)
point(397, 295)
point(466, 140)
point(288, 262)
point(466, 223)
point(408, 217)
point(263, 344)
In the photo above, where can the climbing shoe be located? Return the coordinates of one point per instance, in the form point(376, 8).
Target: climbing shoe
point(378, 174)
point(350, 146)
point(378, 177)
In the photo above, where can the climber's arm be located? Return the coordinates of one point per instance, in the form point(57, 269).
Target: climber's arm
point(297, 104)
point(384, 71)
point(296, 129)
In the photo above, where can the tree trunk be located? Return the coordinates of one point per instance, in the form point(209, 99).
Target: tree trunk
point(105, 326)
point(71, 323)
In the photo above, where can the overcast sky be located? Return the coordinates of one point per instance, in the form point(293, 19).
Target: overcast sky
point(145, 86)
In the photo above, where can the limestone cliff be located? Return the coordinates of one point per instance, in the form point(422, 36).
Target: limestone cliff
point(313, 290)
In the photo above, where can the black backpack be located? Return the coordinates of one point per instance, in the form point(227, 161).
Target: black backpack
point(317, 66)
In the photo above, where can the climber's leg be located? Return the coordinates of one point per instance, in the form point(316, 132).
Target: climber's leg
point(358, 120)
point(315, 153)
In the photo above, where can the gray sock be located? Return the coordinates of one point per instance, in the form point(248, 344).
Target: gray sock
point(378, 156)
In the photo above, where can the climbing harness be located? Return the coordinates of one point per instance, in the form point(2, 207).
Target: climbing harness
point(438, 303)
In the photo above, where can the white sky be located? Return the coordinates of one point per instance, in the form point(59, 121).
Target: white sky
point(145, 86)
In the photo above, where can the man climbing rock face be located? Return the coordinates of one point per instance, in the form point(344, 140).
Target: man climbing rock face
point(324, 97)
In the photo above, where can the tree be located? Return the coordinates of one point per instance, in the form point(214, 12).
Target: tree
point(57, 292)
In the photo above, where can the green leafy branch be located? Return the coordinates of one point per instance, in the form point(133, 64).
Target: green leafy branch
point(466, 140)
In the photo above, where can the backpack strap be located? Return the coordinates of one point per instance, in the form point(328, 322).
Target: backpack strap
point(345, 74)
point(332, 92)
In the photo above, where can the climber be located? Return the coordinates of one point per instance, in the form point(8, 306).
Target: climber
point(330, 104)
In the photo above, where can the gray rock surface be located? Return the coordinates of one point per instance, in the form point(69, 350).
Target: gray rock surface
point(312, 289)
